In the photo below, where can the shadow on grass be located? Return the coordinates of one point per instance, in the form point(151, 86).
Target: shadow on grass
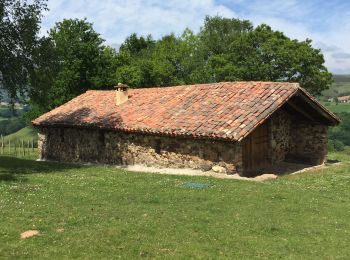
point(15, 169)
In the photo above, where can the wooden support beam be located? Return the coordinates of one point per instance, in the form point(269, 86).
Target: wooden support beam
point(301, 111)
point(317, 108)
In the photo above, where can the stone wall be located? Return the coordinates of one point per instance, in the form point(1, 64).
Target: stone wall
point(290, 139)
point(296, 140)
point(100, 146)
point(309, 142)
point(280, 135)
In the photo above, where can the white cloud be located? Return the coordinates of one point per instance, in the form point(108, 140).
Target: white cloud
point(306, 19)
point(116, 19)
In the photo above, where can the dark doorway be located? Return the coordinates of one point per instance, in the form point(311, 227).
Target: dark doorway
point(256, 150)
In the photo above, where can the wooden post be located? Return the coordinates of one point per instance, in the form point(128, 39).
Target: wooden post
point(2, 144)
point(23, 147)
point(32, 145)
point(28, 148)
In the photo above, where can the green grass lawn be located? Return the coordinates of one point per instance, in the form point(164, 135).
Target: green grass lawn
point(109, 213)
point(341, 107)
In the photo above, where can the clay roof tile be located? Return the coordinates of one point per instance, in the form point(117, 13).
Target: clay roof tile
point(227, 110)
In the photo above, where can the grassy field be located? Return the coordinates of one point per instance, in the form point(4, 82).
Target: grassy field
point(30, 138)
point(26, 133)
point(338, 108)
point(102, 212)
point(340, 87)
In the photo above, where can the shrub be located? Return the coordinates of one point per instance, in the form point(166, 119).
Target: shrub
point(10, 126)
point(335, 145)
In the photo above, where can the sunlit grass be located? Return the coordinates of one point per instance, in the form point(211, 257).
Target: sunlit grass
point(102, 212)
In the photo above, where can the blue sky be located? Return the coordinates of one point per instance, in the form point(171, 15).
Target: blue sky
point(327, 23)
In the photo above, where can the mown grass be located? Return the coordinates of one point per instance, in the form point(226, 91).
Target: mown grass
point(338, 108)
point(109, 213)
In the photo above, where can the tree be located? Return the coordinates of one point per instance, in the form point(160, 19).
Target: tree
point(71, 60)
point(78, 49)
point(264, 54)
point(169, 61)
point(134, 61)
point(237, 51)
point(42, 78)
point(19, 27)
point(217, 33)
point(224, 50)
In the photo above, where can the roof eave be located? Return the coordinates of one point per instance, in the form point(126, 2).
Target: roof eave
point(145, 131)
point(332, 118)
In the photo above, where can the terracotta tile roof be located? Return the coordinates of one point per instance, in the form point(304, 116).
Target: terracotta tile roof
point(227, 110)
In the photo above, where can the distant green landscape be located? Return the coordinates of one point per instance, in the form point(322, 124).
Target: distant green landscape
point(338, 108)
point(26, 133)
point(340, 87)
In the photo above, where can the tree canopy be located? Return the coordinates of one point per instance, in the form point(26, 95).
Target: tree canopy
point(72, 58)
point(223, 50)
point(19, 28)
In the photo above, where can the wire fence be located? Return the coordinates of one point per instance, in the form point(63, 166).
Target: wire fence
point(18, 147)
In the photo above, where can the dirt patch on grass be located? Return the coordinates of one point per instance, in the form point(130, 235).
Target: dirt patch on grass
point(192, 172)
point(29, 233)
point(283, 169)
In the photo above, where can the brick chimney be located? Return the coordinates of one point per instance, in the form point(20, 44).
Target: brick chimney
point(121, 93)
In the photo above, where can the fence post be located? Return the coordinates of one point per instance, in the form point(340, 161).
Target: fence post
point(28, 147)
point(2, 144)
point(9, 146)
point(32, 145)
point(23, 148)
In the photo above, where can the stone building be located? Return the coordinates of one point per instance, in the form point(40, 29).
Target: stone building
point(344, 99)
point(242, 127)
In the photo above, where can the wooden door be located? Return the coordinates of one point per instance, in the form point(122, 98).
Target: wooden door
point(256, 149)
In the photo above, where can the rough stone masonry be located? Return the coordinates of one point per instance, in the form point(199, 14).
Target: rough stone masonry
point(289, 139)
point(111, 147)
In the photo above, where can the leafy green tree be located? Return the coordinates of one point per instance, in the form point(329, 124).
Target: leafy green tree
point(340, 133)
point(224, 50)
point(19, 27)
point(264, 54)
point(217, 33)
point(134, 45)
point(169, 61)
point(71, 60)
point(42, 77)
point(134, 61)
point(78, 49)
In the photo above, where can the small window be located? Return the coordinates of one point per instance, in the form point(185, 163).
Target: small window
point(157, 146)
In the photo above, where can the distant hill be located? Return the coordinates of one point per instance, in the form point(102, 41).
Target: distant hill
point(340, 87)
point(342, 78)
point(27, 133)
